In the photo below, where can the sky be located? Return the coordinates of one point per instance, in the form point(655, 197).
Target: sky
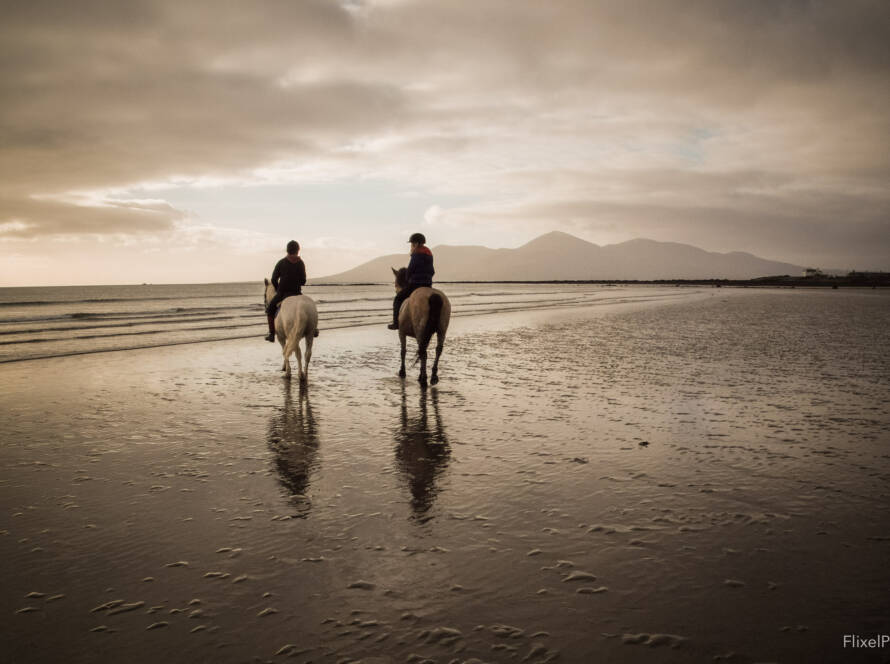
point(173, 142)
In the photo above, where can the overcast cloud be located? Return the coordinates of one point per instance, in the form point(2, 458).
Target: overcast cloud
point(754, 126)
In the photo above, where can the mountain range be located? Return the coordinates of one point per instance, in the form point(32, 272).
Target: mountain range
point(558, 256)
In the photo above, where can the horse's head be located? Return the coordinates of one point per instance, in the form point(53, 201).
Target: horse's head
point(401, 276)
point(269, 293)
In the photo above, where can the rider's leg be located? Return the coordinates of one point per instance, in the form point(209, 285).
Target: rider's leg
point(270, 316)
point(396, 305)
point(400, 297)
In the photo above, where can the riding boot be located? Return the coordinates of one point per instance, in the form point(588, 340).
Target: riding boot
point(271, 335)
point(396, 305)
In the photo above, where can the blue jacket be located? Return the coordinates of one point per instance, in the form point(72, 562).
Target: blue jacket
point(420, 267)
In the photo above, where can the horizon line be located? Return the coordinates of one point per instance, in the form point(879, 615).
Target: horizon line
point(321, 283)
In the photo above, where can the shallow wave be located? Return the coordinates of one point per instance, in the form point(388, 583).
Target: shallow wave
point(127, 334)
point(353, 299)
point(84, 332)
point(125, 315)
point(103, 300)
point(451, 296)
point(104, 325)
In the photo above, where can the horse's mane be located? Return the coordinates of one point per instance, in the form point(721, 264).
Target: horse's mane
point(402, 277)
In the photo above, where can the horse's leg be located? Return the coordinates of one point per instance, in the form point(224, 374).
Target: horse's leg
point(299, 360)
point(286, 364)
point(403, 339)
point(440, 341)
point(309, 339)
point(422, 376)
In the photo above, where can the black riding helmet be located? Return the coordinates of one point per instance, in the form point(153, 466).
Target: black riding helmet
point(417, 238)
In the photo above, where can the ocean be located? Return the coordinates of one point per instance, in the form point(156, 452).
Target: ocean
point(44, 322)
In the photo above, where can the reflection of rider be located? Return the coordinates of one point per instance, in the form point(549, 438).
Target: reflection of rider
point(293, 438)
point(288, 278)
point(422, 453)
point(420, 273)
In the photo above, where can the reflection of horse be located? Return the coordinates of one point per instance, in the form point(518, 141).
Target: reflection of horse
point(297, 319)
point(422, 452)
point(293, 439)
point(425, 312)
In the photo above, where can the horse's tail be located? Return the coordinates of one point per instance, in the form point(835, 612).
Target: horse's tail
point(290, 343)
point(432, 323)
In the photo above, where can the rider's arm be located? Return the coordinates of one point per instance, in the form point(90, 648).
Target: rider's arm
point(276, 274)
point(302, 273)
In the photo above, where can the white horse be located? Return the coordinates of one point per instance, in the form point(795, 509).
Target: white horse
point(297, 319)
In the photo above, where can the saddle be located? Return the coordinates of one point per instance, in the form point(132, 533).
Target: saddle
point(278, 306)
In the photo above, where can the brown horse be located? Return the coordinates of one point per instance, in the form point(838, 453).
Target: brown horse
point(425, 312)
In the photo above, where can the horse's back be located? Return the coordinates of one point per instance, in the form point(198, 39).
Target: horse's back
point(425, 292)
point(421, 305)
point(299, 307)
point(297, 303)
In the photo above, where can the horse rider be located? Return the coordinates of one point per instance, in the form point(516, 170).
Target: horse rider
point(288, 278)
point(420, 273)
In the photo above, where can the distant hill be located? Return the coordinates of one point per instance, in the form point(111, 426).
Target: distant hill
point(559, 256)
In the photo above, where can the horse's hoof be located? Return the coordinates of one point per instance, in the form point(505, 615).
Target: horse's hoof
point(402, 373)
point(434, 380)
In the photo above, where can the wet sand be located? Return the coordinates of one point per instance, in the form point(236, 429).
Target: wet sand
point(693, 480)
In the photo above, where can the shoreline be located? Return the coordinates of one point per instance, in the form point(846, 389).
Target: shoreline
point(763, 282)
point(532, 312)
point(882, 280)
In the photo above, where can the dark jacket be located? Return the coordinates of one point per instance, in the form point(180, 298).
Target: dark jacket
point(288, 277)
point(420, 267)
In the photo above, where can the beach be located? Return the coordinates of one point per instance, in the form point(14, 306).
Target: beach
point(700, 476)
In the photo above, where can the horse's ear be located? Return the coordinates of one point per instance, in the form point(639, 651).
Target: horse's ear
point(266, 280)
point(394, 271)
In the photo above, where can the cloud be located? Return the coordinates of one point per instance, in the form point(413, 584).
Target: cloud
point(432, 215)
point(758, 123)
point(40, 217)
